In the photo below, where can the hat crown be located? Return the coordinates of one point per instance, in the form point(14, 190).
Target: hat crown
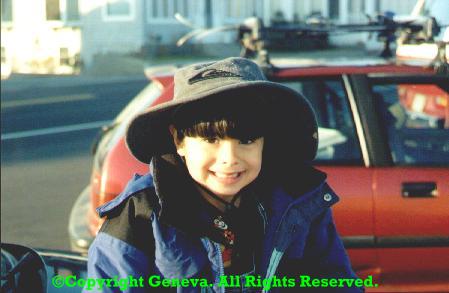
point(196, 79)
point(233, 81)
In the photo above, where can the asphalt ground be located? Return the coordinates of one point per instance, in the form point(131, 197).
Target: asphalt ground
point(48, 125)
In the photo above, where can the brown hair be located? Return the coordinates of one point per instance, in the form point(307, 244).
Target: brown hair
point(220, 118)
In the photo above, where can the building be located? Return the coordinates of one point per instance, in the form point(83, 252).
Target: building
point(59, 36)
point(40, 36)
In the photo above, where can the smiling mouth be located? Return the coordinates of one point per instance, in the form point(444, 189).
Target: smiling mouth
point(232, 175)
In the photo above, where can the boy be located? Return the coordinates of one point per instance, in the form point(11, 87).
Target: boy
point(231, 195)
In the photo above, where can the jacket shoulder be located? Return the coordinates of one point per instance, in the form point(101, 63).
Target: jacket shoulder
point(128, 216)
point(137, 184)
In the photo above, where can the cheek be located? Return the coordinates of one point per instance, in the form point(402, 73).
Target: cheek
point(255, 161)
point(258, 165)
point(197, 162)
point(260, 159)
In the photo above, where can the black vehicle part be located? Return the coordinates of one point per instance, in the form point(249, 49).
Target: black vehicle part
point(22, 270)
point(376, 144)
point(419, 189)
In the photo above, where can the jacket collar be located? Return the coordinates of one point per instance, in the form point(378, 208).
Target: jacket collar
point(179, 199)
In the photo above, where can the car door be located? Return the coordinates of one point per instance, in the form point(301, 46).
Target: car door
point(340, 156)
point(411, 193)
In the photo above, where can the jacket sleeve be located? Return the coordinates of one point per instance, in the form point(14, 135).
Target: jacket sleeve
point(324, 255)
point(124, 247)
point(112, 258)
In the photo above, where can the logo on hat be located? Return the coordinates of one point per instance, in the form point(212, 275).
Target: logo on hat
point(210, 74)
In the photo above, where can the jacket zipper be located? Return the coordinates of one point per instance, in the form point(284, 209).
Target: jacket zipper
point(262, 212)
point(277, 255)
point(216, 247)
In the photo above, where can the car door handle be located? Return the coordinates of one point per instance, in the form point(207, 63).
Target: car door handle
point(419, 189)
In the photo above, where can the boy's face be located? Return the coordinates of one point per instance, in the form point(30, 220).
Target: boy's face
point(223, 166)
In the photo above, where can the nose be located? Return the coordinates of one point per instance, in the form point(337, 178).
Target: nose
point(227, 153)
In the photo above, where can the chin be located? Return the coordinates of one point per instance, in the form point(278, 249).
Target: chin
point(227, 193)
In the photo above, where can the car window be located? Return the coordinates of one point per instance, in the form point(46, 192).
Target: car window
point(416, 120)
point(338, 143)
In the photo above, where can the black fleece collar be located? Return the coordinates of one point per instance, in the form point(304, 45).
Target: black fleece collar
point(180, 199)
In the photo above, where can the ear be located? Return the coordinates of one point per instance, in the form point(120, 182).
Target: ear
point(178, 144)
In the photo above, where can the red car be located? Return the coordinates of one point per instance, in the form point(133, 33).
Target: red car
point(392, 176)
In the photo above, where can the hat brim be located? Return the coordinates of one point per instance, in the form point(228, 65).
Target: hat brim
point(148, 134)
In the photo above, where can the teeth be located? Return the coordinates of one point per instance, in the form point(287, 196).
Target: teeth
point(223, 175)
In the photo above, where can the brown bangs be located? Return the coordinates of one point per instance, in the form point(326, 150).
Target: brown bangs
point(224, 128)
point(220, 118)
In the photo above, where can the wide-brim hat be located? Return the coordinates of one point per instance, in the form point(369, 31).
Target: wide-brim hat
point(291, 118)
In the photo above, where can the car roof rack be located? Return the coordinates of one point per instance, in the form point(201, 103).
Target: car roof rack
point(254, 36)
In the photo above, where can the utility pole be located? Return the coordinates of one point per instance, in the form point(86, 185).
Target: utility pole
point(208, 13)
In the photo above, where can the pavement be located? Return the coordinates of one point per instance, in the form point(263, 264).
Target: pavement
point(20, 82)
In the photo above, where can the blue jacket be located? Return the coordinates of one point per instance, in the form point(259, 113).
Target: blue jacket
point(140, 238)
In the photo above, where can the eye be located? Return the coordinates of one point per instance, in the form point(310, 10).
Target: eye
point(210, 139)
point(247, 141)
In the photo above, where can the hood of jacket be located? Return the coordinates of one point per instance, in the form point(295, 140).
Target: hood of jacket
point(179, 198)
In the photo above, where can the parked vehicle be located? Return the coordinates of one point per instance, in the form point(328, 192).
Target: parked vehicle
point(389, 167)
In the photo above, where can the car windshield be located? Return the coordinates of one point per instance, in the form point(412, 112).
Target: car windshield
point(74, 73)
